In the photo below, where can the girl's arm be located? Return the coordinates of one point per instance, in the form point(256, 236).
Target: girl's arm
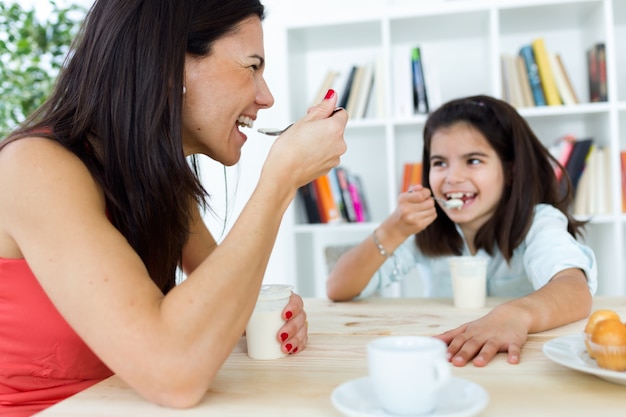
point(565, 299)
point(354, 269)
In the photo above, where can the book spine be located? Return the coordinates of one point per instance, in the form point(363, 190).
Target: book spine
point(527, 93)
point(342, 178)
point(568, 80)
point(334, 185)
point(346, 90)
point(420, 100)
point(309, 201)
point(329, 212)
point(545, 72)
point(602, 85)
point(527, 53)
point(560, 81)
point(356, 199)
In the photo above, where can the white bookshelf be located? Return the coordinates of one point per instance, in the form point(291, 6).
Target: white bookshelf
point(465, 40)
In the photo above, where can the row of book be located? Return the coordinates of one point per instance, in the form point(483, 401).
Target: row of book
point(589, 168)
point(359, 88)
point(537, 76)
point(334, 198)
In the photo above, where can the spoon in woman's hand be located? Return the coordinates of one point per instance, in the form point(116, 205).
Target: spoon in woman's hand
point(277, 132)
point(452, 203)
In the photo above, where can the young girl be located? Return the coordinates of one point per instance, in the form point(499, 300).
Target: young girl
point(480, 150)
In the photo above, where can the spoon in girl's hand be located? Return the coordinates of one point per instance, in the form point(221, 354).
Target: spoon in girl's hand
point(456, 203)
point(277, 132)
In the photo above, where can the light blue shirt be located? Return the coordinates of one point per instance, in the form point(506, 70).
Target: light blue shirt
point(547, 249)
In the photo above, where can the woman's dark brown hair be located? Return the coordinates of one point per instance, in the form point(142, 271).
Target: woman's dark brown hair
point(528, 172)
point(117, 106)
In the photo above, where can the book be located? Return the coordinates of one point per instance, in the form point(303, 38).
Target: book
point(512, 82)
point(526, 52)
point(354, 91)
point(420, 99)
point(593, 76)
point(336, 190)
point(601, 181)
point(431, 79)
point(568, 80)
point(602, 84)
point(542, 59)
point(342, 179)
point(356, 198)
point(308, 198)
point(412, 175)
point(527, 94)
point(577, 160)
point(360, 189)
point(329, 212)
point(327, 83)
point(582, 197)
point(345, 94)
point(561, 81)
point(364, 92)
point(562, 151)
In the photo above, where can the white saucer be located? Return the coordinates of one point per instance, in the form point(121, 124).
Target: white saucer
point(571, 351)
point(458, 398)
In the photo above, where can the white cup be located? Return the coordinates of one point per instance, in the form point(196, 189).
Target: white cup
point(469, 281)
point(406, 372)
point(265, 322)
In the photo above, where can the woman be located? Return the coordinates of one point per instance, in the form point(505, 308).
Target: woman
point(99, 206)
point(480, 151)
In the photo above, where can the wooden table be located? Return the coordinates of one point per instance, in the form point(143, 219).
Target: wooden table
point(301, 385)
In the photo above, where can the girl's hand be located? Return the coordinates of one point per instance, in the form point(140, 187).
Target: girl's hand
point(415, 211)
point(294, 334)
point(502, 330)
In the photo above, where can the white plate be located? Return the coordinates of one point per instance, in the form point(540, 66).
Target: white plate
point(570, 351)
point(458, 398)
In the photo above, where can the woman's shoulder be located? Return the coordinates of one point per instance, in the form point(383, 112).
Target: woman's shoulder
point(38, 169)
point(37, 155)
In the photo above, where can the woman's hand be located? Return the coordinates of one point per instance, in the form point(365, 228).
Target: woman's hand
point(501, 330)
point(294, 334)
point(311, 147)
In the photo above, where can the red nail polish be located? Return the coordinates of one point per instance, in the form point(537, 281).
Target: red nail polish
point(295, 350)
point(283, 336)
point(288, 346)
point(329, 94)
point(288, 314)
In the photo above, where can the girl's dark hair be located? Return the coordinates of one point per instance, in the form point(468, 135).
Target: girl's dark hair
point(528, 173)
point(117, 106)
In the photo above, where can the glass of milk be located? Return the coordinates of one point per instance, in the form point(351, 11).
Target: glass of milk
point(266, 321)
point(469, 281)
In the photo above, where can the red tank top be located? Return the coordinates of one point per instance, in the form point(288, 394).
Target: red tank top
point(42, 360)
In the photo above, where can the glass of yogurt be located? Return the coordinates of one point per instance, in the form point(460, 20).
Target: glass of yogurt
point(266, 321)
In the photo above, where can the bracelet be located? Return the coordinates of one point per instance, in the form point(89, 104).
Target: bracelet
point(381, 250)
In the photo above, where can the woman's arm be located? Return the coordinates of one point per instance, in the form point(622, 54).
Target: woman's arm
point(354, 269)
point(168, 348)
point(565, 299)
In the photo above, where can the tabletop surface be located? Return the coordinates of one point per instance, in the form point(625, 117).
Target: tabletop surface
point(302, 384)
